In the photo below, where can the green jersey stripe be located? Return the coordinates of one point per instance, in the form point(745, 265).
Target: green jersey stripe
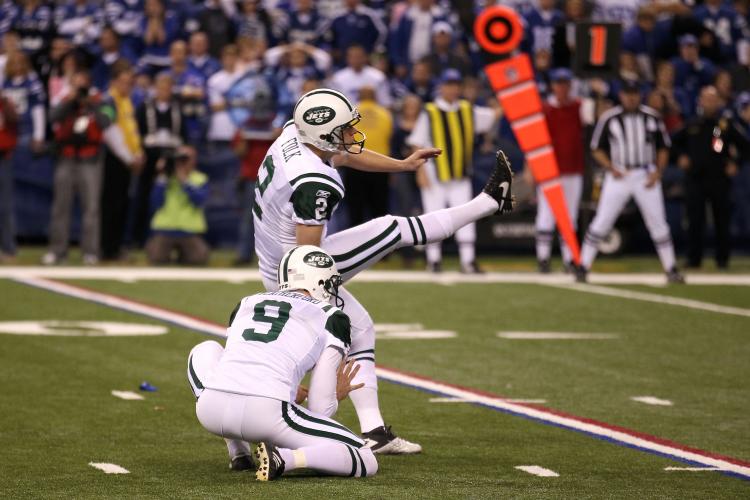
point(310, 418)
point(354, 462)
point(385, 249)
point(290, 122)
point(257, 210)
point(366, 245)
point(361, 359)
point(421, 230)
point(193, 375)
point(413, 232)
point(366, 351)
point(314, 432)
point(363, 471)
point(284, 265)
point(318, 176)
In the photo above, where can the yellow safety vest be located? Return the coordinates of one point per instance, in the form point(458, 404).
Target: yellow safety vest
point(453, 132)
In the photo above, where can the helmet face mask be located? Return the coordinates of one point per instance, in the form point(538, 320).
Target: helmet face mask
point(309, 268)
point(325, 119)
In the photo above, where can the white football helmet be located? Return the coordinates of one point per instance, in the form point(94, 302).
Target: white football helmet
point(321, 117)
point(310, 268)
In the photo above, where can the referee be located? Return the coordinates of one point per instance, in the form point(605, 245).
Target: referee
point(631, 143)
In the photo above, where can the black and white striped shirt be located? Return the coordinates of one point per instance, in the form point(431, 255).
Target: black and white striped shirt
point(631, 139)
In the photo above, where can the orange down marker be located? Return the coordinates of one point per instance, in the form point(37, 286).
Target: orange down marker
point(498, 31)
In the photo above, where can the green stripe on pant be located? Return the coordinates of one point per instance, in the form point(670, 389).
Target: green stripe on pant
point(351, 440)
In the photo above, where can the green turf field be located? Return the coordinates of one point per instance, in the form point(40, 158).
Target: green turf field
point(58, 414)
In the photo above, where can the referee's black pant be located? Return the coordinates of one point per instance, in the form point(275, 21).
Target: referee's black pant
point(716, 192)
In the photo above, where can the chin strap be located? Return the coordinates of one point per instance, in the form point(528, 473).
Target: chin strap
point(331, 286)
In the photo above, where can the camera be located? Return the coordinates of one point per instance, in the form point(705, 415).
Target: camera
point(170, 157)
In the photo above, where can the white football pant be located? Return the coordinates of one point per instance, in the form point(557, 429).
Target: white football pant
point(305, 439)
point(614, 196)
point(572, 185)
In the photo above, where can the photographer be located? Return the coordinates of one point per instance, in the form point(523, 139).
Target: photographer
point(177, 201)
point(162, 127)
point(78, 126)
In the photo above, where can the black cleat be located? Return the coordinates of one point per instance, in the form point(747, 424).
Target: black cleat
point(434, 267)
point(500, 183)
point(383, 441)
point(242, 463)
point(674, 276)
point(581, 274)
point(270, 463)
point(544, 266)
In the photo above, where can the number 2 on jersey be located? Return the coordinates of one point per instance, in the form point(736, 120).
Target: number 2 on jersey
point(268, 167)
point(262, 315)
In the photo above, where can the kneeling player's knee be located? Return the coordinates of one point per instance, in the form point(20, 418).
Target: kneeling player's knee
point(370, 462)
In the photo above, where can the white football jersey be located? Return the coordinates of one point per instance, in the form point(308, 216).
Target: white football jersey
point(274, 339)
point(294, 186)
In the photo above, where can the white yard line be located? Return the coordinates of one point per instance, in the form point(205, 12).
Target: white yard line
point(600, 430)
point(556, 336)
point(109, 468)
point(537, 471)
point(651, 400)
point(133, 274)
point(128, 395)
point(657, 299)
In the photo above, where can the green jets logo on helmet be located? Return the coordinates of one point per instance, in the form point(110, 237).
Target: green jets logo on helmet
point(319, 115)
point(318, 259)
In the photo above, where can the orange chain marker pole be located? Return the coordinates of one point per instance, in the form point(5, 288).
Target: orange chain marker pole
point(498, 31)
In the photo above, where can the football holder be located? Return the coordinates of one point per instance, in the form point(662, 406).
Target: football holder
point(498, 31)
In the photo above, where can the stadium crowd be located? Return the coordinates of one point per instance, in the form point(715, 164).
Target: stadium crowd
point(125, 95)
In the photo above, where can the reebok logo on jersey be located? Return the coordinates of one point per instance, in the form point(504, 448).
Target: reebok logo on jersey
point(322, 194)
point(318, 259)
point(319, 115)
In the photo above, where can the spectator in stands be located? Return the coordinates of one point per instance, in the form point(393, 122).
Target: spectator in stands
point(126, 17)
point(358, 25)
point(675, 99)
point(250, 54)
point(741, 70)
point(179, 222)
point(163, 130)
point(10, 43)
point(420, 82)
point(727, 26)
point(445, 51)
point(297, 62)
point(616, 11)
point(200, 60)
point(446, 180)
point(189, 86)
point(221, 128)
point(411, 40)
point(358, 74)
point(25, 91)
point(35, 27)
point(563, 41)
point(159, 29)
point(723, 84)
point(59, 81)
point(709, 148)
point(640, 40)
point(80, 22)
point(8, 137)
point(541, 22)
point(123, 156)
point(78, 125)
point(110, 51)
point(220, 30)
point(254, 21)
point(691, 71)
point(305, 23)
point(368, 191)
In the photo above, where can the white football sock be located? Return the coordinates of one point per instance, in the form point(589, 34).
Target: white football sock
point(365, 401)
point(334, 459)
point(466, 253)
point(237, 448)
